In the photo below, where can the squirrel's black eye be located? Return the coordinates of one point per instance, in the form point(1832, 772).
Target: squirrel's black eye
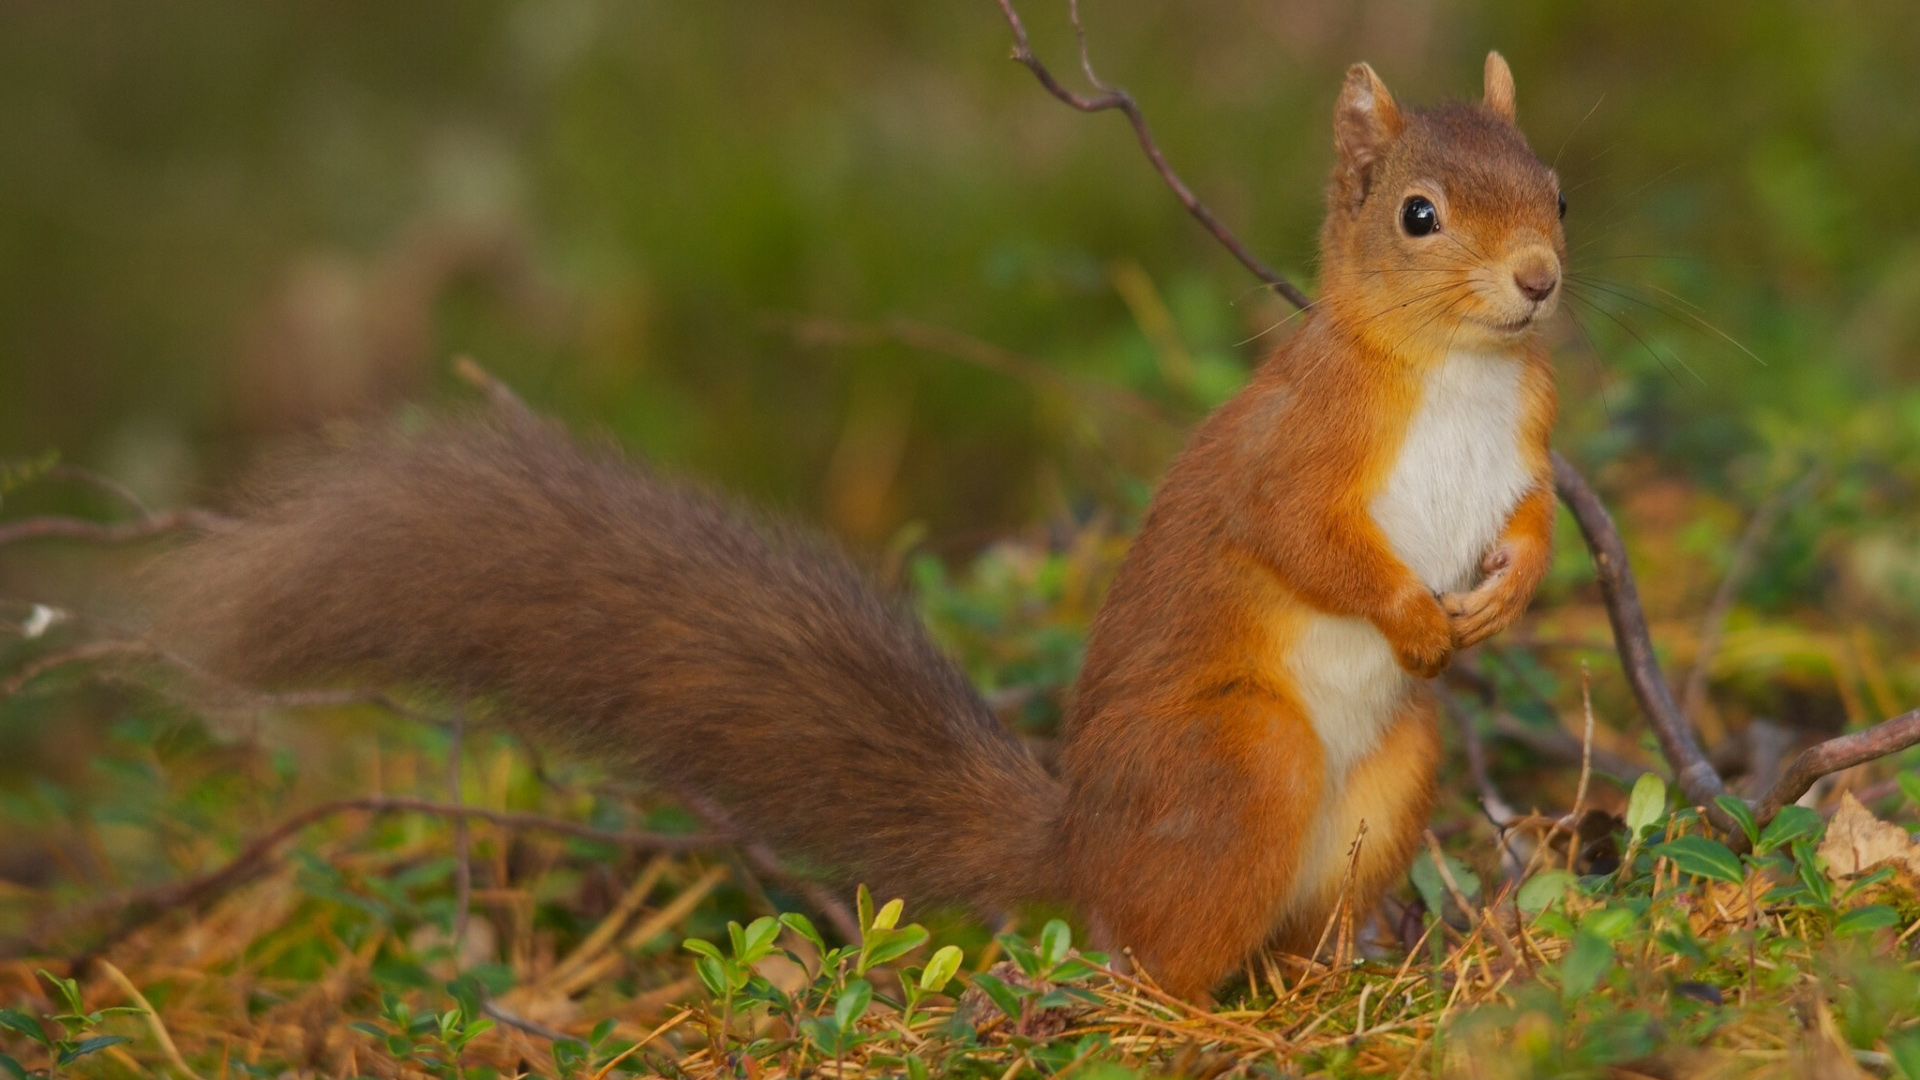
point(1418, 216)
point(1563, 204)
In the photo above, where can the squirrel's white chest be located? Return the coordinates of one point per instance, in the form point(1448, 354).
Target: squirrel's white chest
point(1459, 473)
point(1457, 478)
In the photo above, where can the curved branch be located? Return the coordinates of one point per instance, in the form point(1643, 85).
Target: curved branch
point(1691, 770)
point(68, 528)
point(1840, 752)
point(1116, 98)
point(139, 909)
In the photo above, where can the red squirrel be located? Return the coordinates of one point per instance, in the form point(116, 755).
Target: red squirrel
point(1256, 687)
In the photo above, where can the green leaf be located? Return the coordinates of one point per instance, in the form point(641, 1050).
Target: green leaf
point(69, 989)
point(88, 1046)
point(1545, 889)
point(704, 948)
point(1648, 803)
point(863, 900)
point(1002, 994)
point(852, 1004)
point(19, 1071)
point(1790, 824)
point(1076, 967)
point(1609, 924)
point(1433, 888)
point(940, 970)
point(1021, 952)
point(1910, 787)
point(1865, 918)
point(1703, 857)
point(1904, 1047)
point(714, 974)
point(1056, 938)
point(1737, 809)
point(369, 1027)
point(916, 1067)
point(889, 915)
point(1583, 965)
point(803, 926)
point(894, 944)
point(760, 935)
point(25, 1025)
point(823, 1031)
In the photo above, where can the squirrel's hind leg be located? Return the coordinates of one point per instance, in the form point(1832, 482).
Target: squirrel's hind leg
point(1390, 789)
point(1190, 868)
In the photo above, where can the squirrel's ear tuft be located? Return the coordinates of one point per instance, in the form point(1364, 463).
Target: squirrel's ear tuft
point(1499, 93)
point(1365, 120)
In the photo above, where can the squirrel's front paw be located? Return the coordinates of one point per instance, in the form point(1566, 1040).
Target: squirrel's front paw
point(1421, 635)
point(1475, 616)
point(1495, 603)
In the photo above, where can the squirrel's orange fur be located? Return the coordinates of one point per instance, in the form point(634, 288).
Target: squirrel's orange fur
point(1255, 688)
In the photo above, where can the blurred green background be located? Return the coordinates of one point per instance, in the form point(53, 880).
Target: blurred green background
point(220, 222)
point(785, 246)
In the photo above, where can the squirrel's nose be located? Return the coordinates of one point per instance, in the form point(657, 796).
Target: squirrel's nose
point(1536, 282)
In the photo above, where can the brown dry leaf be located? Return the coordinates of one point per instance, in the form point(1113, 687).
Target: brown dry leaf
point(1857, 842)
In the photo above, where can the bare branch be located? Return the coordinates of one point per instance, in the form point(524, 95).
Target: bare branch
point(69, 528)
point(1713, 625)
point(89, 478)
point(1841, 752)
point(981, 354)
point(1115, 98)
point(1692, 771)
point(137, 910)
point(498, 392)
point(765, 861)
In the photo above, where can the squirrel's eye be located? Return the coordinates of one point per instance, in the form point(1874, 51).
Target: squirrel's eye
point(1418, 216)
point(1563, 204)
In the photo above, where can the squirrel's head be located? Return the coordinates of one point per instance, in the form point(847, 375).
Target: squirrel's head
point(1443, 228)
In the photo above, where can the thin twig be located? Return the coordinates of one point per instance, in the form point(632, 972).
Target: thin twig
point(89, 478)
point(1713, 625)
point(141, 908)
point(1692, 771)
point(1841, 752)
point(765, 861)
point(469, 371)
point(1476, 916)
point(462, 837)
point(815, 330)
point(54, 527)
point(1115, 98)
point(1572, 819)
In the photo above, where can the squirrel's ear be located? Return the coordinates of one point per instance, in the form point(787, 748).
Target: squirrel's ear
point(1499, 95)
point(1365, 120)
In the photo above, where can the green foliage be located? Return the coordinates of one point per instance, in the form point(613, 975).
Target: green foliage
point(431, 1041)
point(63, 1037)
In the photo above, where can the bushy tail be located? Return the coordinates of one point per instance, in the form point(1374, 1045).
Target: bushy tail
point(636, 619)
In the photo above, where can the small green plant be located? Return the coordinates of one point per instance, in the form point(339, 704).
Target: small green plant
point(76, 1026)
point(826, 1012)
point(1051, 965)
point(434, 1041)
point(571, 1057)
